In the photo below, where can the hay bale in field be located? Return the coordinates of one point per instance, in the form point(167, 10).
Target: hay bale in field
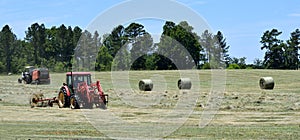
point(184, 83)
point(266, 83)
point(146, 85)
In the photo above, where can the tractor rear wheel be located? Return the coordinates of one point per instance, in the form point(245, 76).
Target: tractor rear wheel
point(61, 99)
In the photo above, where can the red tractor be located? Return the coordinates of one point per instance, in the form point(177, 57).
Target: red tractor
point(80, 92)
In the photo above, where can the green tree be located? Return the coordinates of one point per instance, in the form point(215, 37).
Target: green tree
point(140, 50)
point(77, 32)
point(59, 47)
point(36, 35)
point(82, 51)
point(122, 59)
point(291, 50)
point(169, 54)
point(168, 28)
point(174, 38)
point(222, 49)
point(126, 43)
point(240, 62)
point(207, 42)
point(8, 44)
point(215, 48)
point(133, 31)
point(115, 40)
point(151, 61)
point(51, 48)
point(161, 62)
point(94, 48)
point(190, 40)
point(68, 50)
point(20, 57)
point(116, 43)
point(257, 63)
point(62, 40)
point(140, 44)
point(274, 56)
point(104, 59)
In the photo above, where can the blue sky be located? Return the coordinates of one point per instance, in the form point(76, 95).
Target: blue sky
point(241, 21)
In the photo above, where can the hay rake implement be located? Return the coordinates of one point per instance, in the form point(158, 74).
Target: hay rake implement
point(38, 100)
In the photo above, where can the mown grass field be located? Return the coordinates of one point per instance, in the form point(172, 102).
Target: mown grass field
point(245, 111)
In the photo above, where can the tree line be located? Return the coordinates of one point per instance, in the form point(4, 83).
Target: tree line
point(179, 48)
point(52, 48)
point(132, 47)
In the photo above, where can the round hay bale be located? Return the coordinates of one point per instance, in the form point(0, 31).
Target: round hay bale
point(184, 83)
point(266, 83)
point(146, 85)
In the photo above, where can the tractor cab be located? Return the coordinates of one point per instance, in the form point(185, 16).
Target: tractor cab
point(27, 72)
point(28, 69)
point(75, 78)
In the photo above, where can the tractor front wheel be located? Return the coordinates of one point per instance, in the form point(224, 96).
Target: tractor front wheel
point(88, 105)
point(73, 103)
point(28, 79)
point(102, 106)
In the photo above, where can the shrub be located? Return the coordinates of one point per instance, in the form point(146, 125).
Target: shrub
point(206, 66)
point(59, 67)
point(233, 66)
point(2, 68)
